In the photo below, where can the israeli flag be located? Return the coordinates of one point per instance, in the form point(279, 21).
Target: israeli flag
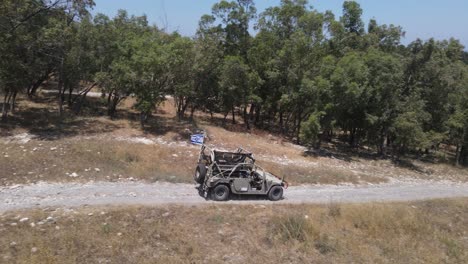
point(197, 139)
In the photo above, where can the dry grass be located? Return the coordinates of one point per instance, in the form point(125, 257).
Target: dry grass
point(418, 232)
point(110, 160)
point(119, 159)
point(98, 160)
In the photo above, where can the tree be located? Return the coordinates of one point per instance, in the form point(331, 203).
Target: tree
point(385, 82)
point(149, 72)
point(234, 85)
point(310, 130)
point(182, 73)
point(351, 18)
point(351, 95)
point(235, 17)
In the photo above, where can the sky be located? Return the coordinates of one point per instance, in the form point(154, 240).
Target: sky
point(440, 19)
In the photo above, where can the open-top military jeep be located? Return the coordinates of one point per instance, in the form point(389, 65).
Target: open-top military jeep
point(221, 173)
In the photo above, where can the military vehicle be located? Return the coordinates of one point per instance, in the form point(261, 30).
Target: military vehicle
point(222, 173)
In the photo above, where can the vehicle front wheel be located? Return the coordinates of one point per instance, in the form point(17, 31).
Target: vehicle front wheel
point(276, 193)
point(220, 193)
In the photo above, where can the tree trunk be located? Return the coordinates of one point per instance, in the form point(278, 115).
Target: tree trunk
point(382, 147)
point(298, 132)
point(251, 112)
point(33, 88)
point(286, 123)
point(5, 107)
point(184, 108)
point(70, 94)
point(463, 158)
point(81, 98)
point(257, 114)
point(281, 125)
point(225, 118)
point(246, 118)
point(143, 119)
point(13, 102)
point(352, 137)
point(112, 107)
point(192, 112)
point(233, 116)
point(181, 106)
point(61, 89)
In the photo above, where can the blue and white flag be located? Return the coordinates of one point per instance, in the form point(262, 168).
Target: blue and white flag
point(197, 139)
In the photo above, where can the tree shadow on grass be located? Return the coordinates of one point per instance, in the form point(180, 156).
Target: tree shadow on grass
point(408, 164)
point(162, 125)
point(40, 118)
point(49, 126)
point(218, 121)
point(341, 150)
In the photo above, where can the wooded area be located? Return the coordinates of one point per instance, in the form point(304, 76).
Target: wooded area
point(308, 75)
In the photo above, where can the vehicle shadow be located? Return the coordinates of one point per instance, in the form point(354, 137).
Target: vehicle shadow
point(234, 197)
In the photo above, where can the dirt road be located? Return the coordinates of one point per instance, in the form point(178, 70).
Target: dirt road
point(135, 193)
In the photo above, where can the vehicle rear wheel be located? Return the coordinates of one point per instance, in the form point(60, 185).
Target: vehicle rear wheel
point(220, 193)
point(275, 193)
point(200, 173)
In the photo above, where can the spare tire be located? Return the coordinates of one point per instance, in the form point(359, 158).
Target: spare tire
point(200, 173)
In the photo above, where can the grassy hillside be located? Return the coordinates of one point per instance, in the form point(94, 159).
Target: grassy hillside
point(418, 232)
point(37, 146)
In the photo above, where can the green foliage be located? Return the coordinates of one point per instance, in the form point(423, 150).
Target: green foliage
point(303, 74)
point(310, 129)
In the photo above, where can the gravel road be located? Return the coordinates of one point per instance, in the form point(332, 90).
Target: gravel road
point(139, 193)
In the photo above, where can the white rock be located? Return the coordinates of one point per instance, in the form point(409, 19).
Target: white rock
point(32, 224)
point(175, 155)
point(34, 250)
point(57, 227)
point(50, 219)
point(166, 214)
point(24, 219)
point(90, 214)
point(74, 175)
point(97, 169)
point(13, 224)
point(119, 234)
point(53, 148)
point(12, 244)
